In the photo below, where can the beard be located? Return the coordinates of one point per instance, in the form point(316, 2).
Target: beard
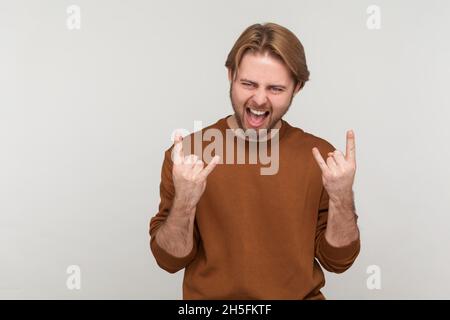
point(240, 110)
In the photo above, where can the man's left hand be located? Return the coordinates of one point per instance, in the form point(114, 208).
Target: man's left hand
point(338, 172)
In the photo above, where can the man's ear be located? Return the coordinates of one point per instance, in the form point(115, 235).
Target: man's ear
point(298, 87)
point(230, 75)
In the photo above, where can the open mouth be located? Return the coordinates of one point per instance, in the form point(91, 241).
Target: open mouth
point(256, 118)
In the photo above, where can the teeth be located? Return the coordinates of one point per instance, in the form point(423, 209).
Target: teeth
point(258, 113)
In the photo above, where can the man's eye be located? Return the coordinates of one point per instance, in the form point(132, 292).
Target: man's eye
point(277, 89)
point(247, 84)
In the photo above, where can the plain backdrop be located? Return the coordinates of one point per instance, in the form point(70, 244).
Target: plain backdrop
point(85, 116)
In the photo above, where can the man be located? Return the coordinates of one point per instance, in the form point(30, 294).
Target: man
point(243, 235)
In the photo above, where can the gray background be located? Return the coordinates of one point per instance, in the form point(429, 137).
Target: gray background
point(86, 115)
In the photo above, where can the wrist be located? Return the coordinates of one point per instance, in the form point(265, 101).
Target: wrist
point(177, 221)
point(343, 209)
point(183, 204)
point(343, 200)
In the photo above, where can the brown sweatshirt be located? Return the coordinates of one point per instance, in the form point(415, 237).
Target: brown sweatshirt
point(257, 236)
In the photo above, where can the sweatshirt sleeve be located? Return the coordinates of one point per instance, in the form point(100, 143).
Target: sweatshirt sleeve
point(333, 259)
point(163, 258)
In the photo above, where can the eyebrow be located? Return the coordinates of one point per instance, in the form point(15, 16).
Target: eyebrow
point(271, 85)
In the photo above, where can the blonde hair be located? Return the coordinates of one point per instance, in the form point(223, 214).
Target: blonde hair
point(278, 41)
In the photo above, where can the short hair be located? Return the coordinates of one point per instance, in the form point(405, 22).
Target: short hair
point(278, 41)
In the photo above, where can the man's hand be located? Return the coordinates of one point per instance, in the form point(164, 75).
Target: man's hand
point(176, 234)
point(338, 172)
point(189, 175)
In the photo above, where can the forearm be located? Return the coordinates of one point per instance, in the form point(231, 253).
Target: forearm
point(176, 234)
point(342, 227)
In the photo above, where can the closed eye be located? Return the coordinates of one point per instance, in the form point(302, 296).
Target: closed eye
point(274, 89)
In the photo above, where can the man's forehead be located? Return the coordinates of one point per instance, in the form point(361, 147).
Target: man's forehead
point(275, 73)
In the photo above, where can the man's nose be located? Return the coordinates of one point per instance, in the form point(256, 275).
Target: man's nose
point(260, 97)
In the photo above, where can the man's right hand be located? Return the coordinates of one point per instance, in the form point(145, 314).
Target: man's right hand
point(189, 175)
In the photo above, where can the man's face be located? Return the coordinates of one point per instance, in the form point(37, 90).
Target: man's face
point(262, 91)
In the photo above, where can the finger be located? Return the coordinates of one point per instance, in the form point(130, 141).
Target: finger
point(331, 164)
point(198, 166)
point(350, 148)
point(177, 151)
point(339, 158)
point(194, 160)
point(190, 160)
point(210, 167)
point(323, 166)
